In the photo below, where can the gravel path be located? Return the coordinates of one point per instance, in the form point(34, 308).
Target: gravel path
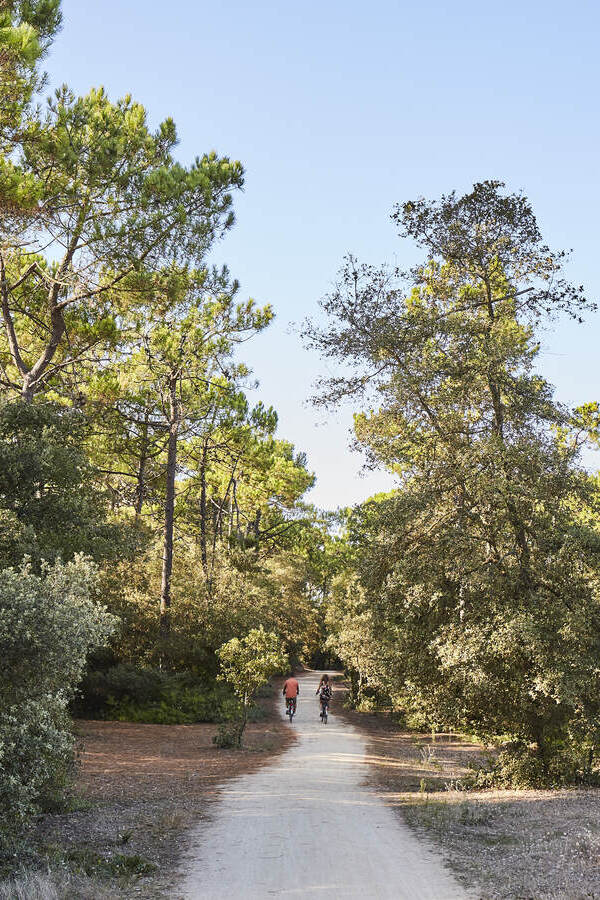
point(307, 826)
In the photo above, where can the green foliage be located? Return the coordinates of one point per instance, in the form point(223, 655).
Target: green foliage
point(476, 603)
point(229, 735)
point(245, 593)
point(26, 30)
point(49, 504)
point(520, 765)
point(36, 763)
point(124, 426)
point(350, 635)
point(248, 663)
point(141, 686)
point(48, 623)
point(130, 694)
point(184, 706)
point(108, 192)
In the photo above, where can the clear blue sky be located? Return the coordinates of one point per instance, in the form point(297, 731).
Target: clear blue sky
point(337, 111)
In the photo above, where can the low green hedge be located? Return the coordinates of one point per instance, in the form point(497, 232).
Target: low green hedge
point(129, 694)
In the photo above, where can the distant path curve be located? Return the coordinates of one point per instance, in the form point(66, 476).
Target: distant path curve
point(307, 826)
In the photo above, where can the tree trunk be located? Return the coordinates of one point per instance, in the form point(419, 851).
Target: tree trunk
point(231, 514)
point(140, 490)
point(257, 527)
point(27, 392)
point(543, 750)
point(237, 512)
point(203, 511)
point(167, 566)
point(590, 761)
point(244, 720)
point(515, 519)
point(354, 686)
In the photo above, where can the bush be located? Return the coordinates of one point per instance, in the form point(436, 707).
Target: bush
point(36, 760)
point(247, 665)
point(520, 766)
point(185, 706)
point(48, 623)
point(229, 735)
point(128, 694)
point(121, 683)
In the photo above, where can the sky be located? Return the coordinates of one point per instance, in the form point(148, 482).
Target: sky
point(340, 110)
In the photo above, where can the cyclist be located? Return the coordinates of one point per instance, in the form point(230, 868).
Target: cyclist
point(324, 692)
point(324, 679)
point(291, 689)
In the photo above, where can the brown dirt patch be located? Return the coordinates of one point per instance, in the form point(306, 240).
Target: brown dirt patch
point(127, 760)
point(141, 787)
point(502, 845)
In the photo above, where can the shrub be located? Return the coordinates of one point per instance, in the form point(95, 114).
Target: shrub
point(229, 735)
point(519, 765)
point(48, 623)
point(182, 706)
point(88, 862)
point(36, 758)
point(247, 664)
point(130, 694)
point(121, 683)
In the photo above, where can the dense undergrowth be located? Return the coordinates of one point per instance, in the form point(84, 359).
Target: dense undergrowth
point(129, 694)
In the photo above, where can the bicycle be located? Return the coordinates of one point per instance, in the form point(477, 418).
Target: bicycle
point(290, 707)
point(324, 705)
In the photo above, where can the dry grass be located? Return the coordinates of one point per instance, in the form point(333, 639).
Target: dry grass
point(503, 845)
point(139, 790)
point(516, 844)
point(56, 885)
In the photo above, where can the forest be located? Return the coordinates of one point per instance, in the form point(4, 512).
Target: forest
point(157, 546)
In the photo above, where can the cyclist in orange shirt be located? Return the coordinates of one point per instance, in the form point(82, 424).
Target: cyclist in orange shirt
point(291, 689)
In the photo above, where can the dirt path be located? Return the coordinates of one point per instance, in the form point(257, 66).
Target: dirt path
point(308, 826)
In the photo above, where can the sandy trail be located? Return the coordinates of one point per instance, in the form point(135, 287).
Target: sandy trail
point(307, 826)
